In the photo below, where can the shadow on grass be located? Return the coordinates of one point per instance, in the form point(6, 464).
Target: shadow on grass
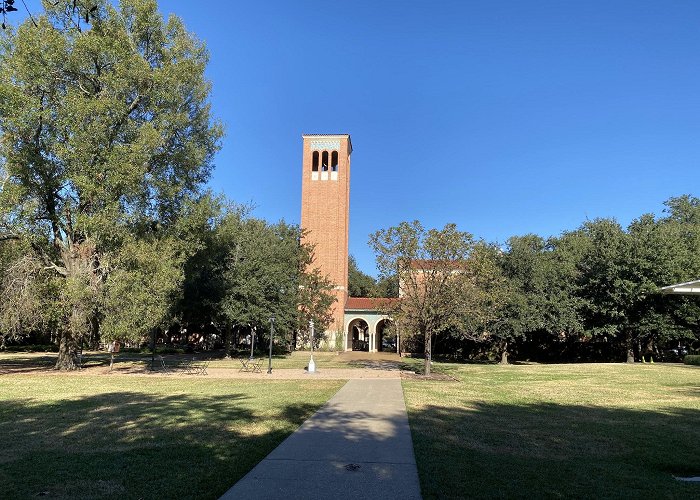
point(26, 363)
point(490, 450)
point(136, 445)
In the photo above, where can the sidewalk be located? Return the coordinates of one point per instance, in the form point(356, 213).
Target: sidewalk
point(357, 446)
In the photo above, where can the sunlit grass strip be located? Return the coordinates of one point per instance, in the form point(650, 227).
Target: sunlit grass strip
point(143, 437)
point(576, 431)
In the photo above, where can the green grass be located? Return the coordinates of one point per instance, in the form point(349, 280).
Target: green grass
point(83, 436)
point(297, 360)
point(552, 431)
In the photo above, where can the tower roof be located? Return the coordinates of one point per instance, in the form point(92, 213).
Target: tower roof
point(332, 135)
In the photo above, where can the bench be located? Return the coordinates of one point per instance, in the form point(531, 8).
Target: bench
point(250, 365)
point(189, 366)
point(196, 367)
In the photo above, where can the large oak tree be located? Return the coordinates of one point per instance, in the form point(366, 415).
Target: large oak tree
point(106, 135)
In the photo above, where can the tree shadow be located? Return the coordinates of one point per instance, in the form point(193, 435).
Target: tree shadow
point(26, 363)
point(547, 450)
point(135, 445)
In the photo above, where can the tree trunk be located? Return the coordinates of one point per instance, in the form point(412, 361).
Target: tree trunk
point(630, 349)
point(67, 352)
point(227, 341)
point(504, 354)
point(79, 262)
point(428, 353)
point(398, 340)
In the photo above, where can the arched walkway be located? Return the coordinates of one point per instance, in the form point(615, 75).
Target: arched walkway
point(385, 336)
point(358, 335)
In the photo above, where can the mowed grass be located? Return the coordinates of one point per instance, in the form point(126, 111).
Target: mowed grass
point(85, 436)
point(295, 360)
point(553, 431)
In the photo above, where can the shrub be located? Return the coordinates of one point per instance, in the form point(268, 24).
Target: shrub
point(32, 348)
point(692, 359)
point(339, 341)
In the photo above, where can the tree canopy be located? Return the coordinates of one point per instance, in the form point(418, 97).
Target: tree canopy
point(106, 136)
point(445, 279)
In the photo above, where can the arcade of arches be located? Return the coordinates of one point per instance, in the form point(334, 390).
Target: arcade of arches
point(367, 328)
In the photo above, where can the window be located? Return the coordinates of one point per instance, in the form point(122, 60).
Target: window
point(314, 164)
point(334, 161)
point(324, 162)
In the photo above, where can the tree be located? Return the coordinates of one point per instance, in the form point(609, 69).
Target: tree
point(269, 272)
point(106, 135)
point(359, 283)
point(542, 299)
point(434, 288)
point(485, 293)
point(314, 300)
point(621, 272)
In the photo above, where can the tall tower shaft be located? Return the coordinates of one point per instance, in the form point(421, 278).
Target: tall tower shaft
point(325, 210)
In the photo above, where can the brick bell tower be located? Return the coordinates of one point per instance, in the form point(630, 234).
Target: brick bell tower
point(325, 210)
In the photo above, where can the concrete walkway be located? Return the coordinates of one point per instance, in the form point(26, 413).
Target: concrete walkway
point(357, 446)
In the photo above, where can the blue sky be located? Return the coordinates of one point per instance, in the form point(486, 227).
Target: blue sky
point(505, 117)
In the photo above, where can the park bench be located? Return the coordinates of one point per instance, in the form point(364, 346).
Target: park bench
point(197, 367)
point(182, 365)
point(189, 366)
point(250, 365)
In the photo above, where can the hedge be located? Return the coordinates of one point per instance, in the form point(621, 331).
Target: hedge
point(692, 359)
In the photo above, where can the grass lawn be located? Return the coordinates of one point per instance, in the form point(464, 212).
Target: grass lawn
point(575, 431)
point(296, 359)
point(82, 436)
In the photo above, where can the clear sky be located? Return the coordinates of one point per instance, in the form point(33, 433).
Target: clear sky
point(505, 117)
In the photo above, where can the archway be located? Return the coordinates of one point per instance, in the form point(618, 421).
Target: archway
point(386, 336)
point(358, 331)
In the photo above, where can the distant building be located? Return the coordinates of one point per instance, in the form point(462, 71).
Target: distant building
point(687, 288)
point(325, 215)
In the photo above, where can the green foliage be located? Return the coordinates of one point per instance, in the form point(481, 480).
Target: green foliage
point(106, 140)
point(692, 359)
point(447, 282)
point(268, 272)
point(364, 285)
point(359, 283)
point(141, 291)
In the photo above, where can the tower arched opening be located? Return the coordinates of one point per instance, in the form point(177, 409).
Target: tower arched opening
point(334, 161)
point(324, 162)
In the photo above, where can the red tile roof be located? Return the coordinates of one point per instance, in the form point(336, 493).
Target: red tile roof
point(370, 304)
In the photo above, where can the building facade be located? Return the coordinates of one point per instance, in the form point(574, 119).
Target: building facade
point(325, 219)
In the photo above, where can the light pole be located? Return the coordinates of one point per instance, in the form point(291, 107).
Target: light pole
point(272, 332)
point(312, 365)
point(252, 341)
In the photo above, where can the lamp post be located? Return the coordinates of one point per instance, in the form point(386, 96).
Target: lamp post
point(272, 332)
point(252, 341)
point(312, 365)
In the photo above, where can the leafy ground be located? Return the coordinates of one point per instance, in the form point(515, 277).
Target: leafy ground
point(67, 436)
point(574, 431)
